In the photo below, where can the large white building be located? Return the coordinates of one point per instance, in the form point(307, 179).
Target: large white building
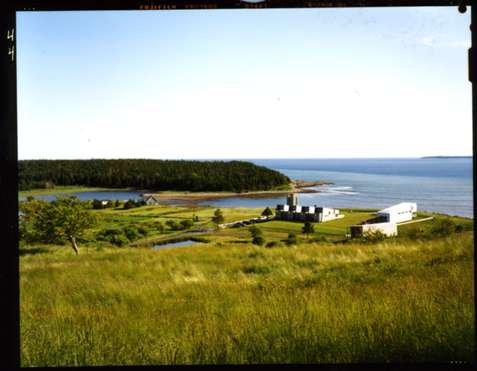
point(293, 211)
point(386, 220)
point(398, 213)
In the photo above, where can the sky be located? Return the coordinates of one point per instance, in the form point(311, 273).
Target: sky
point(253, 83)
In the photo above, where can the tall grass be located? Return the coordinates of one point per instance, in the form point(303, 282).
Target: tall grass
point(241, 304)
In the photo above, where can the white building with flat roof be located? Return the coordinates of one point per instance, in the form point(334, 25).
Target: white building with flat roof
point(293, 211)
point(398, 213)
point(388, 229)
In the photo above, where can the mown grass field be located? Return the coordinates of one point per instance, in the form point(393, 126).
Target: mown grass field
point(231, 302)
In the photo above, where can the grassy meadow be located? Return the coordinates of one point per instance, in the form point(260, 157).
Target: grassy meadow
point(405, 299)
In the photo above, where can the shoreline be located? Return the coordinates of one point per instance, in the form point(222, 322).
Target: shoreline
point(296, 186)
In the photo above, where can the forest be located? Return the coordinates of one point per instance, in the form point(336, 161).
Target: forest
point(155, 175)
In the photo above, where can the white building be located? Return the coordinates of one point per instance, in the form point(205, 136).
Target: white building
point(388, 229)
point(398, 213)
point(150, 200)
point(328, 213)
point(293, 211)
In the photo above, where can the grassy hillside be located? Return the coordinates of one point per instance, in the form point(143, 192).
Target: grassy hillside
point(226, 302)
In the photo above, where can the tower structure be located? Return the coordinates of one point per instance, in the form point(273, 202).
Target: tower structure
point(292, 199)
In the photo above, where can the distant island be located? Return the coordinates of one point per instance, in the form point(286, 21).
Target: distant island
point(154, 175)
point(445, 157)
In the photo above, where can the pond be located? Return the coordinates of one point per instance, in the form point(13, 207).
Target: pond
point(176, 244)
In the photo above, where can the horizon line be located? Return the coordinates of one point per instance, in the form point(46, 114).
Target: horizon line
point(250, 158)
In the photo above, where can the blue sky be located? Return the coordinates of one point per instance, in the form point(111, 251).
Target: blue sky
point(374, 82)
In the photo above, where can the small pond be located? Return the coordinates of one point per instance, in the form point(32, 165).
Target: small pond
point(176, 244)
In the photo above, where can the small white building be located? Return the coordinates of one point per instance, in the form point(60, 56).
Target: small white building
point(150, 200)
point(328, 213)
point(388, 229)
point(398, 213)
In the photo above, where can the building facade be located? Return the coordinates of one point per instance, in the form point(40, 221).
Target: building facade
point(293, 211)
point(388, 229)
point(398, 213)
point(386, 220)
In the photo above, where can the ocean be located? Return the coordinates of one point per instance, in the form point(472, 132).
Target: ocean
point(441, 185)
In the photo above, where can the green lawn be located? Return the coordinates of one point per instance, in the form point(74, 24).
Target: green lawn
point(273, 230)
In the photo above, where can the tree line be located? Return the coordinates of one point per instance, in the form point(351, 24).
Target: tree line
point(181, 175)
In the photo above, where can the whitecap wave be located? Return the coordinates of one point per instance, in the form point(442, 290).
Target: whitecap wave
point(344, 190)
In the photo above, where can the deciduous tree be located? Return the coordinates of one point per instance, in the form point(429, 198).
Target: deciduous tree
point(65, 218)
point(308, 228)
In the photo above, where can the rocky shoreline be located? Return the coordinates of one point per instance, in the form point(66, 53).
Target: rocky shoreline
point(296, 186)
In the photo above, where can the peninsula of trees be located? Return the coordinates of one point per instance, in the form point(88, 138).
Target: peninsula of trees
point(157, 175)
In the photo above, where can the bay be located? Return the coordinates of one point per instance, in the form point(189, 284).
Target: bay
point(443, 185)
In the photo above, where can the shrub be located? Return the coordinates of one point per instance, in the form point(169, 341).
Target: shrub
point(255, 231)
point(308, 229)
point(158, 226)
point(258, 240)
point(97, 204)
point(114, 236)
point(414, 233)
point(443, 227)
point(119, 240)
point(273, 244)
point(174, 225)
point(291, 239)
point(129, 204)
point(320, 239)
point(373, 237)
point(142, 231)
point(187, 223)
point(256, 269)
point(131, 233)
point(267, 212)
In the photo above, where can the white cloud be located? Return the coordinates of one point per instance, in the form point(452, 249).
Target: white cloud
point(437, 42)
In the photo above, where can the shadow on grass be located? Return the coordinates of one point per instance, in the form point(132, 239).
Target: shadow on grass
point(32, 251)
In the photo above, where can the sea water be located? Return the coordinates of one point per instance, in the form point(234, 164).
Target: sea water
point(436, 184)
